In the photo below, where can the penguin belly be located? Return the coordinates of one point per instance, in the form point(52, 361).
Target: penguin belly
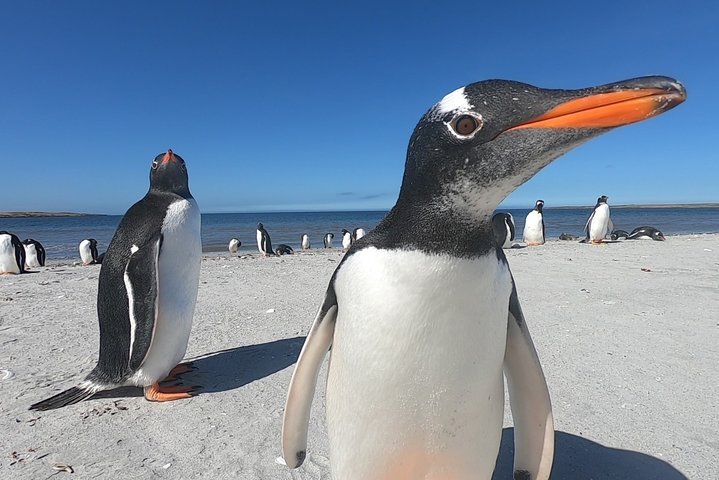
point(31, 259)
point(259, 242)
point(415, 387)
point(508, 239)
point(8, 263)
point(599, 224)
point(178, 279)
point(533, 233)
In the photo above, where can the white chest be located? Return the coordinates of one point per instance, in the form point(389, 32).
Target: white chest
point(416, 364)
point(600, 222)
point(31, 259)
point(8, 263)
point(259, 242)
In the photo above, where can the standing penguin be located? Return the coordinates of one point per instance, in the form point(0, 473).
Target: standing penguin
point(328, 239)
point(88, 251)
point(414, 385)
point(346, 239)
point(12, 254)
point(598, 222)
point(534, 225)
point(147, 292)
point(264, 243)
point(358, 233)
point(34, 253)
point(234, 246)
point(503, 225)
point(305, 241)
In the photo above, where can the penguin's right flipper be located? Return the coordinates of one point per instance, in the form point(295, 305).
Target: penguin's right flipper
point(141, 283)
point(589, 220)
point(529, 399)
point(304, 381)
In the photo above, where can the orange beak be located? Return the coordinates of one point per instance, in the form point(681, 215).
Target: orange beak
point(611, 109)
point(169, 156)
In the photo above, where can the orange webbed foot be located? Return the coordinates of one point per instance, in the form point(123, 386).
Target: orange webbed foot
point(161, 393)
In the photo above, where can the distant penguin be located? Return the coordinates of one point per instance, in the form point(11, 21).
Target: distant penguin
point(422, 318)
point(534, 225)
point(146, 292)
point(264, 243)
point(503, 226)
point(34, 253)
point(88, 251)
point(598, 222)
point(12, 254)
point(283, 249)
point(328, 239)
point(646, 233)
point(346, 239)
point(567, 236)
point(358, 233)
point(234, 246)
point(305, 241)
point(618, 235)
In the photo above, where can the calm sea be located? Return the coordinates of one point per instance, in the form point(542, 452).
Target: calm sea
point(61, 235)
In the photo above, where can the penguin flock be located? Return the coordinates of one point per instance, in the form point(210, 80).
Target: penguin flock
point(264, 242)
point(598, 228)
point(415, 385)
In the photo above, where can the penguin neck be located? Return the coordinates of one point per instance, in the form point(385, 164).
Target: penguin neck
point(182, 191)
point(435, 227)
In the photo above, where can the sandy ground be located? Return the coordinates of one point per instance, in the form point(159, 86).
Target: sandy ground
point(628, 334)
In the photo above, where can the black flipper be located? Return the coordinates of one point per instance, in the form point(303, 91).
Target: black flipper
point(141, 283)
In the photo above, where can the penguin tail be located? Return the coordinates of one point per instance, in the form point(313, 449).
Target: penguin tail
point(68, 397)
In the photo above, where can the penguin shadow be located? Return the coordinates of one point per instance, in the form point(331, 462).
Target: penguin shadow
point(578, 458)
point(231, 368)
point(235, 367)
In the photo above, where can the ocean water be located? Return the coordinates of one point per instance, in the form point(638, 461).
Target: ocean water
point(61, 235)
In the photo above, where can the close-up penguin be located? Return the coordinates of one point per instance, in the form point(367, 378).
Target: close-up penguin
point(423, 317)
point(147, 291)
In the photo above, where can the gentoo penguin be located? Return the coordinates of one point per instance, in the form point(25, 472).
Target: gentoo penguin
point(283, 249)
point(234, 246)
point(34, 253)
point(618, 235)
point(305, 241)
point(147, 291)
point(503, 225)
point(646, 233)
point(358, 233)
point(88, 251)
point(568, 236)
point(12, 254)
point(346, 239)
point(423, 315)
point(598, 221)
point(264, 244)
point(534, 225)
point(328, 239)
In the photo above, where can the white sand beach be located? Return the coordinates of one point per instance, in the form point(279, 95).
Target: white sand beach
point(628, 335)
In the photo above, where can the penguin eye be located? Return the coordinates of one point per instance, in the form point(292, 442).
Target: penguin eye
point(466, 125)
point(154, 164)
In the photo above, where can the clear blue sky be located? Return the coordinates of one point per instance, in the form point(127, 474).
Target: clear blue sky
point(309, 105)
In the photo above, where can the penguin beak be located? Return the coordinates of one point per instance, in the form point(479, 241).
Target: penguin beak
point(169, 156)
point(613, 105)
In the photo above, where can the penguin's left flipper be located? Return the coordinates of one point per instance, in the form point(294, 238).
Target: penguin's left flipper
point(141, 284)
point(304, 381)
point(529, 399)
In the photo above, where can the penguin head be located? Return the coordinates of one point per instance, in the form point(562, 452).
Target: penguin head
point(657, 235)
point(482, 141)
point(169, 174)
point(260, 226)
point(539, 205)
point(602, 199)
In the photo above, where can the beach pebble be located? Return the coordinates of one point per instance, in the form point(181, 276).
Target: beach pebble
point(280, 461)
point(271, 310)
point(6, 374)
